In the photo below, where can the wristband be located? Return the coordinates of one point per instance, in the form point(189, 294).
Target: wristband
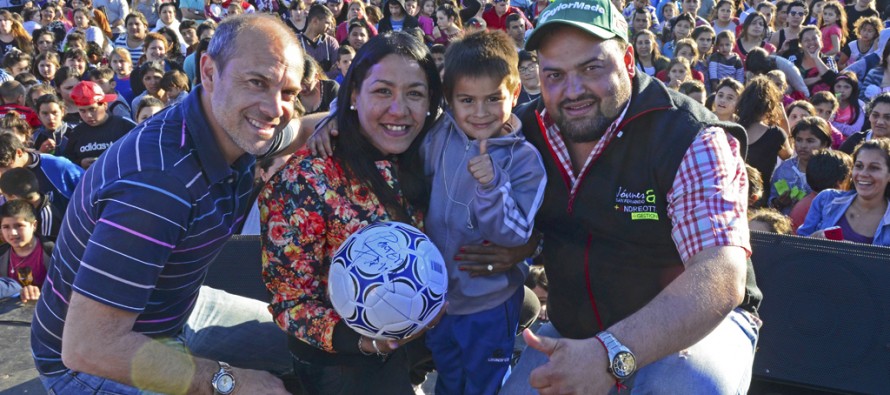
point(360, 347)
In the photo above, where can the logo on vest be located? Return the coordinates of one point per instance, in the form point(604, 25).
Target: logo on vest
point(640, 205)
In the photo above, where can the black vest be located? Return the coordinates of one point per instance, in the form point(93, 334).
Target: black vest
point(613, 239)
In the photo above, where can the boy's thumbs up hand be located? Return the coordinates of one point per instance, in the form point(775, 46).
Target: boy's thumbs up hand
point(480, 166)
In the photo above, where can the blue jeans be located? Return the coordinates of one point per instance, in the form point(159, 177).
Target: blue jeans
point(720, 363)
point(222, 327)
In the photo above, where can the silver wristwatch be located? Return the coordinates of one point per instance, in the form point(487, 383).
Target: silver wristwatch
point(622, 362)
point(223, 381)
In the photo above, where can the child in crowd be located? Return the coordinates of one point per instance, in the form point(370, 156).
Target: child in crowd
point(528, 77)
point(826, 105)
point(663, 29)
point(24, 257)
point(826, 169)
point(723, 17)
point(77, 60)
point(850, 115)
point(52, 137)
point(147, 107)
point(797, 110)
point(21, 183)
point(833, 25)
point(345, 54)
point(724, 63)
point(175, 85)
point(867, 30)
point(688, 49)
point(789, 183)
point(122, 65)
point(704, 38)
point(681, 28)
point(726, 99)
point(694, 89)
point(476, 166)
point(678, 72)
point(12, 123)
point(104, 76)
point(45, 67)
point(644, 5)
point(438, 52)
point(778, 78)
point(648, 57)
point(769, 220)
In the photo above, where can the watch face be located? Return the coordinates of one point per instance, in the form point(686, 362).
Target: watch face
point(225, 383)
point(624, 364)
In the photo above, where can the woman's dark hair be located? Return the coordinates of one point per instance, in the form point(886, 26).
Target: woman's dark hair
point(850, 78)
point(818, 127)
point(749, 21)
point(451, 12)
point(679, 18)
point(881, 145)
point(9, 143)
point(759, 102)
point(758, 61)
point(356, 154)
point(62, 74)
point(653, 51)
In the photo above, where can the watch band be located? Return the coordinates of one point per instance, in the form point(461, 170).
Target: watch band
point(622, 362)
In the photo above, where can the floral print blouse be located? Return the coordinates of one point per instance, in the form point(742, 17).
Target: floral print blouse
point(307, 210)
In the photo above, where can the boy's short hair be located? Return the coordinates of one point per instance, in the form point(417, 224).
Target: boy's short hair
point(758, 61)
point(50, 98)
point(20, 182)
point(318, 11)
point(345, 49)
point(828, 168)
point(154, 66)
point(537, 277)
point(75, 36)
point(149, 101)
point(10, 90)
point(484, 53)
point(824, 97)
point(26, 79)
point(188, 24)
point(772, 218)
point(527, 56)
point(692, 86)
point(512, 18)
point(17, 208)
point(438, 49)
point(208, 24)
point(100, 73)
point(175, 79)
point(93, 49)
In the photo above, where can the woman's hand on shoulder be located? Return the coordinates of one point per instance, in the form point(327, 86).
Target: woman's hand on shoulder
point(321, 142)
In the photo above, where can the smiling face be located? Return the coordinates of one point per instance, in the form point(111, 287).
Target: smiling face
point(482, 105)
point(254, 93)
point(811, 41)
point(879, 117)
point(871, 173)
point(682, 30)
point(17, 231)
point(392, 103)
point(156, 51)
point(585, 81)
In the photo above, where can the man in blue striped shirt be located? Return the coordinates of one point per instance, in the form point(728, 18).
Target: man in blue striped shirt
point(148, 218)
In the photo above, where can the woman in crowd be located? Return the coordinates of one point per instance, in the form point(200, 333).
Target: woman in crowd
point(372, 176)
point(726, 99)
point(817, 70)
point(44, 41)
point(760, 112)
point(753, 35)
point(448, 25)
point(878, 111)
point(862, 213)
point(797, 13)
point(356, 10)
point(13, 35)
point(318, 91)
point(648, 58)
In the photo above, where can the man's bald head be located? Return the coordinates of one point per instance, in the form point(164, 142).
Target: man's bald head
point(249, 27)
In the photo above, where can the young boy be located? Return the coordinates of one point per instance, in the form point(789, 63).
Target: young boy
point(175, 85)
point(528, 76)
point(344, 58)
point(104, 76)
point(487, 185)
point(24, 257)
point(438, 52)
point(22, 184)
point(826, 105)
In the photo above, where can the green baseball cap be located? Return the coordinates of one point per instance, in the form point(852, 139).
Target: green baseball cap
point(598, 17)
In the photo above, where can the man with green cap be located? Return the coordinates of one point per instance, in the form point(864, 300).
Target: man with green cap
point(646, 241)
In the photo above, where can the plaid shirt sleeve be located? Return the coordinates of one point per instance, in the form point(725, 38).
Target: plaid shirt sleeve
point(708, 201)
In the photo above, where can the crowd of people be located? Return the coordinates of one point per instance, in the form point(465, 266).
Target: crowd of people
point(618, 152)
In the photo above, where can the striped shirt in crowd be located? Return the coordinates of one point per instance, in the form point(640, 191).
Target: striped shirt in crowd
point(144, 224)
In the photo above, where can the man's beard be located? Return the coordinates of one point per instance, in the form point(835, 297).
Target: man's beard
point(593, 127)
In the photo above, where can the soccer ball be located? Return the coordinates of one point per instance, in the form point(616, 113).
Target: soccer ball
point(387, 281)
